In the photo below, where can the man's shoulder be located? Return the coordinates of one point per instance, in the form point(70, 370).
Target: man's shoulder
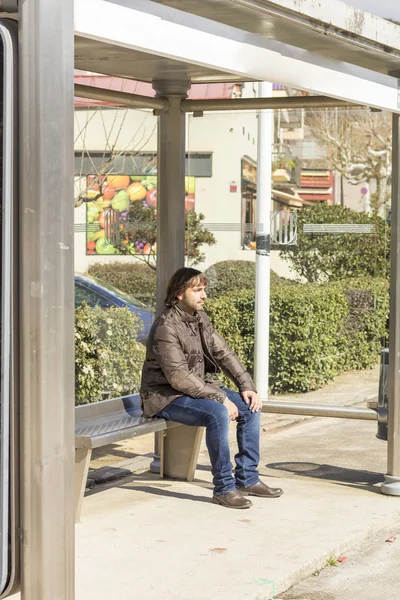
point(167, 319)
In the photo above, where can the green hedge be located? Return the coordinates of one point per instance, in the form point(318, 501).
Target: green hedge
point(366, 320)
point(108, 359)
point(135, 279)
point(139, 280)
point(316, 331)
point(89, 357)
point(320, 257)
point(231, 275)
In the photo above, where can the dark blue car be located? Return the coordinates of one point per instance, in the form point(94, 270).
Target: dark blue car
point(97, 293)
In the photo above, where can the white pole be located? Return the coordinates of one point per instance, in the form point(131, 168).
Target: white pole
point(264, 187)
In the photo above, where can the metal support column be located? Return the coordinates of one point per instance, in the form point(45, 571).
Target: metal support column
point(264, 190)
point(391, 485)
point(170, 193)
point(170, 185)
point(47, 298)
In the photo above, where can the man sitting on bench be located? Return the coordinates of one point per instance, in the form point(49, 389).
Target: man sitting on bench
point(183, 357)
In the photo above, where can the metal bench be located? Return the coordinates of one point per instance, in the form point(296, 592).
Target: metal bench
point(103, 423)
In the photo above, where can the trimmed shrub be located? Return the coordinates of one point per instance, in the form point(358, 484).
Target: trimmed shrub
point(322, 257)
point(109, 357)
point(316, 331)
point(89, 358)
point(135, 279)
point(308, 338)
point(139, 280)
point(232, 275)
point(366, 320)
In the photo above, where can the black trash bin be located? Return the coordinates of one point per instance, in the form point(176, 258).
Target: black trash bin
point(383, 393)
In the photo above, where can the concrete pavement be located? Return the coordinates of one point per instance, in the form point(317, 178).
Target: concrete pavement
point(146, 538)
point(142, 537)
point(369, 573)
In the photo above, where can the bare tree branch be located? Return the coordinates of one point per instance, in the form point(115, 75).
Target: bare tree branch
point(359, 146)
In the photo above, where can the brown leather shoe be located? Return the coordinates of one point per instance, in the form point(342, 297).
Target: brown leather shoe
point(262, 490)
point(232, 500)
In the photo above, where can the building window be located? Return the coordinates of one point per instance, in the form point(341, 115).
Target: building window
point(198, 164)
point(92, 162)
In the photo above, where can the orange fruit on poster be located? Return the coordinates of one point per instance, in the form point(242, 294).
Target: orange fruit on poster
point(118, 182)
point(108, 192)
point(147, 249)
point(91, 245)
point(136, 191)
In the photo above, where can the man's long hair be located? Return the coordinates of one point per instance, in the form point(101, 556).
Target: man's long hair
point(182, 280)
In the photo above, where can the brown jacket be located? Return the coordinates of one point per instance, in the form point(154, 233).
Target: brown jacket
point(184, 353)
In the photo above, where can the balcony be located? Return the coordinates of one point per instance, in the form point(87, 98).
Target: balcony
point(285, 166)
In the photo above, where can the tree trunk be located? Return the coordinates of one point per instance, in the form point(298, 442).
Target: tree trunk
point(341, 190)
point(381, 196)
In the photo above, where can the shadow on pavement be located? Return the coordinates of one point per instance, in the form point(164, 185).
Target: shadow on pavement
point(151, 483)
point(329, 473)
point(158, 491)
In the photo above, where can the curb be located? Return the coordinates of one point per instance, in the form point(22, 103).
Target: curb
point(356, 541)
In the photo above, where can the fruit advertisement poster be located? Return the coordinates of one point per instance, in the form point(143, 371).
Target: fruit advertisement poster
point(121, 193)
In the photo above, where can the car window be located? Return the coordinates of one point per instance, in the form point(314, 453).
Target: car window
point(92, 298)
point(82, 295)
point(120, 294)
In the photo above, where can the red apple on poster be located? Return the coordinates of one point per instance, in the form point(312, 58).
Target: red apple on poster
point(102, 219)
point(189, 202)
point(151, 198)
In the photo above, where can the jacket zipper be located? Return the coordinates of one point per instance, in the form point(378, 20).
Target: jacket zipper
point(207, 354)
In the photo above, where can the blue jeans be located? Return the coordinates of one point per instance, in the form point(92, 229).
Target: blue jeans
point(199, 412)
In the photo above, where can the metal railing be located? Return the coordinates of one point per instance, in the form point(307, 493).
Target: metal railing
point(283, 228)
point(324, 410)
point(111, 227)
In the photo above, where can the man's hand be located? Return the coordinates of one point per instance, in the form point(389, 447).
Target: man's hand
point(252, 399)
point(232, 409)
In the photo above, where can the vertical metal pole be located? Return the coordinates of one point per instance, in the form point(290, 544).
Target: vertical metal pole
point(264, 187)
point(391, 485)
point(170, 195)
point(170, 185)
point(47, 298)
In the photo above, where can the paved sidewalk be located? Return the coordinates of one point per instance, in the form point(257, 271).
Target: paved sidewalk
point(369, 573)
point(148, 538)
point(142, 537)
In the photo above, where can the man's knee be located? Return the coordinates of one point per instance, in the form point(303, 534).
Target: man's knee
point(219, 416)
point(249, 416)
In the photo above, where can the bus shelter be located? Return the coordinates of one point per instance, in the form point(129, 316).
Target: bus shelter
point(342, 55)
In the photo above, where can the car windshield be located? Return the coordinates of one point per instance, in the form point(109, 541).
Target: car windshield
point(122, 295)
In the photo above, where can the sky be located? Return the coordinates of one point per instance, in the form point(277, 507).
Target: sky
point(387, 9)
